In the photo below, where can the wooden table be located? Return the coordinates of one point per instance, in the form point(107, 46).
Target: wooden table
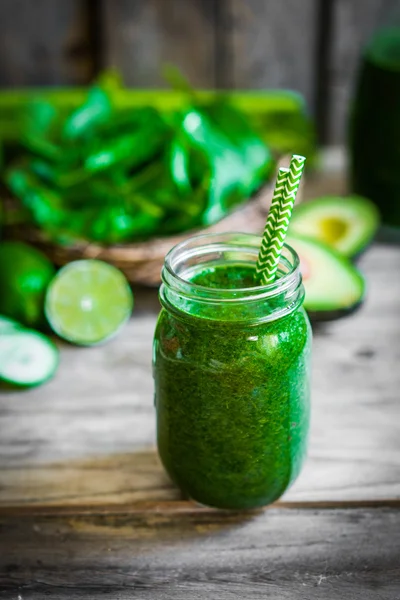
point(87, 512)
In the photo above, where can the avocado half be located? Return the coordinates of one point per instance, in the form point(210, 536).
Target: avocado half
point(334, 286)
point(347, 224)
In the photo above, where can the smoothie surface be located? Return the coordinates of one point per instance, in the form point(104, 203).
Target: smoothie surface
point(228, 277)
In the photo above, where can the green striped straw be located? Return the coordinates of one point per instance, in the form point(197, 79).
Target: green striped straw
point(279, 217)
point(272, 217)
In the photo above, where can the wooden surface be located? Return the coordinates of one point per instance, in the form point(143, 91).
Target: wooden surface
point(141, 37)
point(229, 43)
point(353, 24)
point(44, 42)
point(88, 436)
point(312, 46)
point(268, 49)
point(86, 510)
point(282, 554)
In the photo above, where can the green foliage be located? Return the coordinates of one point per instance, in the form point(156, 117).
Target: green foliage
point(113, 172)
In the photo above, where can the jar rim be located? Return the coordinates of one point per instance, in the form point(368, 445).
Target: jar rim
point(198, 244)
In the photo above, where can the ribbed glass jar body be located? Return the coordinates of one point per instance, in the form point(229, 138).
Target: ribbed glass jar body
point(231, 371)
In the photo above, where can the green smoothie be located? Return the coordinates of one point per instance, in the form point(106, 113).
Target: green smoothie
point(232, 394)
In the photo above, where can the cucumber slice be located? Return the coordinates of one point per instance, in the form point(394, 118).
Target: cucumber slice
point(9, 325)
point(333, 285)
point(26, 357)
point(347, 224)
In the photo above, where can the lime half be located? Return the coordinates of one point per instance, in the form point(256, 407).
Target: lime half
point(88, 301)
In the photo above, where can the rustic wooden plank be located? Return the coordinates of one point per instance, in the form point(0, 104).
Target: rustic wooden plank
point(353, 24)
point(43, 43)
point(280, 554)
point(142, 36)
point(87, 436)
point(272, 45)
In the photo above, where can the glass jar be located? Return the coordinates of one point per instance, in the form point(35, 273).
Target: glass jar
point(231, 371)
point(375, 121)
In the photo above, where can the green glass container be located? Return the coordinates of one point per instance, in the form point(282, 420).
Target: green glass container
point(375, 123)
point(231, 370)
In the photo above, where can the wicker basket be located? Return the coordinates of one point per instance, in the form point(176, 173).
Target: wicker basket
point(142, 261)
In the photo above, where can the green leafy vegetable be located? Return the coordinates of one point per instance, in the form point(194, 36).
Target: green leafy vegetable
point(112, 175)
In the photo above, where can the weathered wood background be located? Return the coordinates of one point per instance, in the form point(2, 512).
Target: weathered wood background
point(310, 45)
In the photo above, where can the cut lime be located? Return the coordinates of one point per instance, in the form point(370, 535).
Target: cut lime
point(7, 325)
point(88, 302)
point(27, 357)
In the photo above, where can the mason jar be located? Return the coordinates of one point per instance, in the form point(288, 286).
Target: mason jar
point(231, 363)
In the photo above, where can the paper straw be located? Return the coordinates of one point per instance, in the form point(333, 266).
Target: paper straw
point(272, 217)
point(273, 239)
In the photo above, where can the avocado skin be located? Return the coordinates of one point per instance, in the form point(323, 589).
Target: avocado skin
point(322, 316)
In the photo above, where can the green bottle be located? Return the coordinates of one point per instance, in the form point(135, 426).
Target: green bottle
point(375, 123)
